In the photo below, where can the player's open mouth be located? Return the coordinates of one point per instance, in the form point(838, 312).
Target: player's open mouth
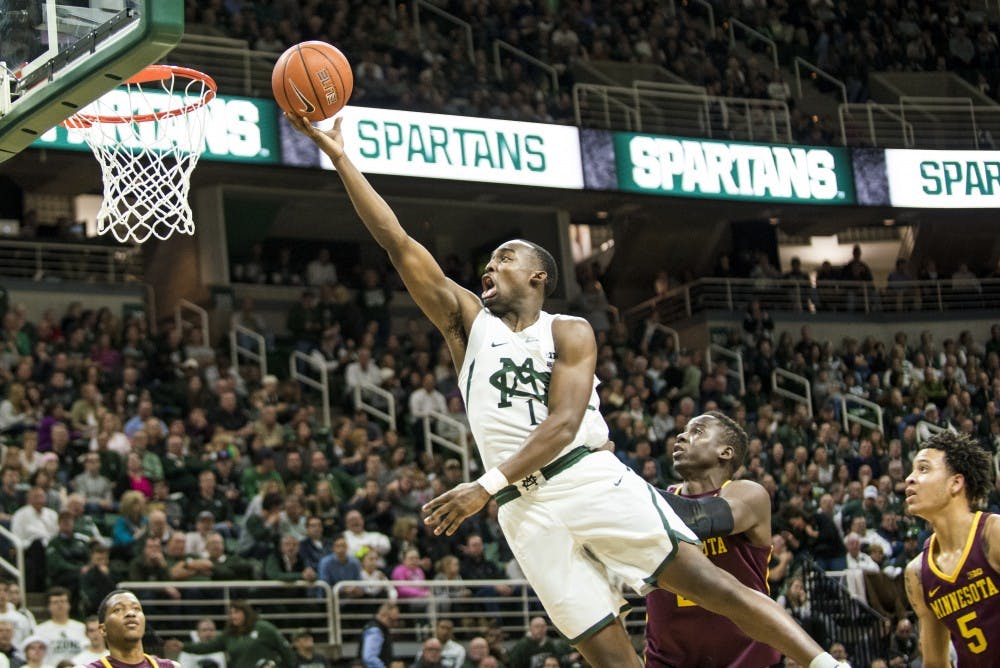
point(489, 288)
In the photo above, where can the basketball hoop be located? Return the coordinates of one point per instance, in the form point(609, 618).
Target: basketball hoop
point(148, 134)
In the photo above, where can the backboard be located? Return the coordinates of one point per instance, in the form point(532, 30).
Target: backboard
point(59, 55)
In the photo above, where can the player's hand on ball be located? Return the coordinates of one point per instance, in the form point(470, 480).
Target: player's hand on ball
point(448, 511)
point(330, 142)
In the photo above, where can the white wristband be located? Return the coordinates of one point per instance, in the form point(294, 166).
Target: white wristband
point(825, 660)
point(493, 481)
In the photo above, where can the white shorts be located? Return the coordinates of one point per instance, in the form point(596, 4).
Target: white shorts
point(589, 523)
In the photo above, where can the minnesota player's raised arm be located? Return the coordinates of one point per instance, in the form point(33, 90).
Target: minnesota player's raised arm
point(442, 300)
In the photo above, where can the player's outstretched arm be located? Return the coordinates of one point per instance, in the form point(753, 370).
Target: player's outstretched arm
point(743, 506)
point(751, 508)
point(443, 301)
point(934, 638)
point(569, 391)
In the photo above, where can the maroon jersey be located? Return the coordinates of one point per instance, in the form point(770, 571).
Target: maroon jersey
point(147, 662)
point(680, 633)
point(966, 601)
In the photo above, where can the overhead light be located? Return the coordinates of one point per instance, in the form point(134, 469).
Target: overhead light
point(889, 222)
point(601, 215)
point(773, 220)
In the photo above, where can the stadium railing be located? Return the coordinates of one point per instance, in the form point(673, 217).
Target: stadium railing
point(857, 409)
point(288, 606)
point(735, 359)
point(922, 122)
point(863, 631)
point(777, 294)
point(299, 367)
point(419, 5)
point(778, 387)
point(682, 110)
point(382, 407)
point(54, 261)
point(238, 335)
point(912, 123)
point(16, 569)
point(420, 615)
point(182, 319)
point(751, 35)
point(458, 444)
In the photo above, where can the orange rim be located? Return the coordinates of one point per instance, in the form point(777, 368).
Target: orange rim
point(146, 75)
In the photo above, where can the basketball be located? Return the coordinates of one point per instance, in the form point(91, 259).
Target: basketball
point(312, 79)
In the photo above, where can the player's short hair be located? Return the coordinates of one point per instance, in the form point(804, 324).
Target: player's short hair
point(548, 265)
point(965, 456)
point(733, 436)
point(102, 609)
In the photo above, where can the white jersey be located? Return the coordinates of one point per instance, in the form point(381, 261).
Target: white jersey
point(505, 383)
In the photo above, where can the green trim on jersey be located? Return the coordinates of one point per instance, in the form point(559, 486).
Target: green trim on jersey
point(674, 539)
point(549, 471)
point(604, 622)
point(468, 384)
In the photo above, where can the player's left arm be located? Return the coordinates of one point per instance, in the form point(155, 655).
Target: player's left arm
point(751, 508)
point(743, 506)
point(570, 386)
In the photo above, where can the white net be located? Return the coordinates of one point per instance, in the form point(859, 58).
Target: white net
point(147, 135)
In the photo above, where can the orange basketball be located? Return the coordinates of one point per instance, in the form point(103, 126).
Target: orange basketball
point(312, 79)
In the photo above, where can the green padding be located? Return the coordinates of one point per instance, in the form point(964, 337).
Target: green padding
point(161, 26)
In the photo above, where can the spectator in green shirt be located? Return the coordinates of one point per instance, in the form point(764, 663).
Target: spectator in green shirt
point(247, 640)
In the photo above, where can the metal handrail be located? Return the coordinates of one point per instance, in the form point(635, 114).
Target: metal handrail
point(498, 68)
point(603, 93)
point(226, 587)
point(735, 370)
point(460, 448)
point(931, 427)
point(70, 261)
point(869, 108)
point(734, 293)
point(804, 398)
point(322, 385)
point(734, 23)
point(432, 612)
point(185, 305)
point(236, 350)
point(16, 569)
point(800, 63)
point(711, 15)
point(847, 417)
point(388, 415)
point(464, 25)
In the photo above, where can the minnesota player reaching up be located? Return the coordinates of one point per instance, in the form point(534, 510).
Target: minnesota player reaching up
point(574, 512)
point(954, 584)
point(707, 455)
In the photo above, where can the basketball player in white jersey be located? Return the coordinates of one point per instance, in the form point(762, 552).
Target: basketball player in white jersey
point(571, 511)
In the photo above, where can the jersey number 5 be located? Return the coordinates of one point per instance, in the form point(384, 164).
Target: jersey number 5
point(973, 633)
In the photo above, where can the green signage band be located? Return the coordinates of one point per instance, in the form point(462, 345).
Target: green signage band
point(733, 170)
point(238, 129)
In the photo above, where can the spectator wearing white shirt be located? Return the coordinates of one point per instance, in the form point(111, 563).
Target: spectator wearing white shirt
point(425, 400)
point(321, 271)
point(65, 637)
point(362, 371)
point(21, 626)
point(858, 563)
point(34, 525)
point(357, 537)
